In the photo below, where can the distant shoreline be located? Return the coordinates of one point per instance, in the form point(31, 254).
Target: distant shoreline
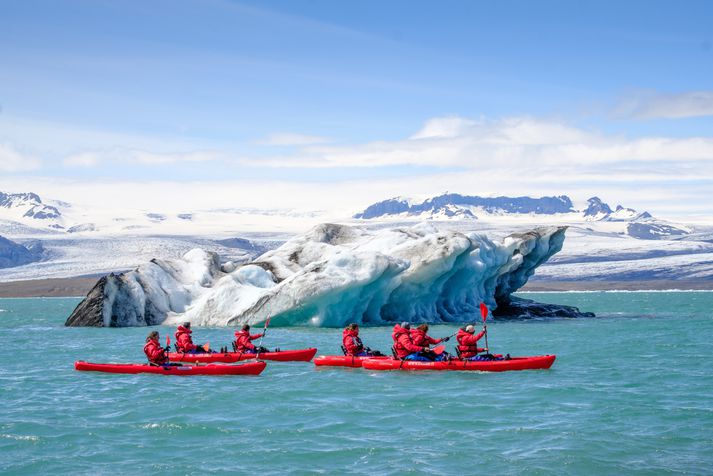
point(81, 285)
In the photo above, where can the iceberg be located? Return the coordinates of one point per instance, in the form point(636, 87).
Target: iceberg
point(330, 276)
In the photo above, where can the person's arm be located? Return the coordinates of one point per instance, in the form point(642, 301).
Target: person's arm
point(256, 336)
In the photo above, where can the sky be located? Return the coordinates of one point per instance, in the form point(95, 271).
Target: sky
point(323, 104)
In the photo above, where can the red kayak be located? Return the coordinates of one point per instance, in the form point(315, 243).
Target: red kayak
point(514, 363)
point(248, 368)
point(342, 360)
point(299, 355)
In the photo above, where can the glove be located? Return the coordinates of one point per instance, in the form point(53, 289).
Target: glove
point(485, 328)
point(446, 339)
point(167, 348)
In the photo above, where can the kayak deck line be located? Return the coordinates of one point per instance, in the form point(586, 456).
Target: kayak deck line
point(353, 361)
point(294, 355)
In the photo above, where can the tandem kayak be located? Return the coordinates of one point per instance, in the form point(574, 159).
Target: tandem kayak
point(298, 355)
point(342, 360)
point(248, 368)
point(514, 363)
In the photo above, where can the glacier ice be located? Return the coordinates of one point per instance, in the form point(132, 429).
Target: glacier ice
point(331, 275)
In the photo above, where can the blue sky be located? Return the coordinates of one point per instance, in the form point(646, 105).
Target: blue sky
point(325, 92)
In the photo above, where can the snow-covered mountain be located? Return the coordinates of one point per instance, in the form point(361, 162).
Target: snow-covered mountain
point(29, 207)
point(453, 206)
point(606, 242)
point(331, 275)
point(466, 206)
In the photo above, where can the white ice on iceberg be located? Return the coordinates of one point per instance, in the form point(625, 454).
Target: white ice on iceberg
point(332, 275)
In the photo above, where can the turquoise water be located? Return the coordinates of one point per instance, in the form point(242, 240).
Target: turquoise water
point(631, 392)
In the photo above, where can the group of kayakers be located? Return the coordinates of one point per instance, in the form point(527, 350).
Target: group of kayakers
point(409, 344)
point(184, 344)
point(415, 344)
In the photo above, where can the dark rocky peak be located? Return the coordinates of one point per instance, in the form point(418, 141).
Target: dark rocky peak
point(392, 206)
point(596, 208)
point(14, 254)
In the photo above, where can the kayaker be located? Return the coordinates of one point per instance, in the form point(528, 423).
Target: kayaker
point(404, 346)
point(156, 354)
point(243, 341)
point(184, 341)
point(420, 336)
point(352, 344)
point(468, 342)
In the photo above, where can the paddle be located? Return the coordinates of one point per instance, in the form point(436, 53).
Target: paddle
point(484, 313)
point(439, 349)
point(264, 331)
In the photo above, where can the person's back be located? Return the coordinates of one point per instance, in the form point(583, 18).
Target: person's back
point(184, 341)
point(403, 345)
point(420, 337)
point(468, 342)
point(153, 350)
point(243, 340)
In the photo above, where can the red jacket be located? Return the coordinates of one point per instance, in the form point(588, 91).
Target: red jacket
point(468, 343)
point(403, 345)
point(351, 341)
point(155, 353)
point(242, 341)
point(184, 342)
point(420, 337)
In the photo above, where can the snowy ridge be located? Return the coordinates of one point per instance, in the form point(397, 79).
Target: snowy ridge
point(332, 275)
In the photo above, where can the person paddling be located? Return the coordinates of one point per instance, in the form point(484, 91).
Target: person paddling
point(404, 346)
point(184, 341)
point(420, 337)
point(243, 342)
point(156, 354)
point(468, 342)
point(352, 344)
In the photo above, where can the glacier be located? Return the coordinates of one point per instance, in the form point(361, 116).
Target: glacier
point(330, 276)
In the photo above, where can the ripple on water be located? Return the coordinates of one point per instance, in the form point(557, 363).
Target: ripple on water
point(626, 395)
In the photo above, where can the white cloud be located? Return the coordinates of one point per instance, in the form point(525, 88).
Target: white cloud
point(293, 139)
point(649, 105)
point(12, 160)
point(508, 144)
point(152, 158)
point(84, 159)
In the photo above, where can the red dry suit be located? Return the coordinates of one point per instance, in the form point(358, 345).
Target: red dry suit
point(403, 345)
point(468, 343)
point(351, 342)
point(242, 341)
point(155, 353)
point(184, 342)
point(420, 337)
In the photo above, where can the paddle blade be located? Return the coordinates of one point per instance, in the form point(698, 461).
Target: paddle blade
point(438, 350)
point(267, 322)
point(168, 340)
point(483, 311)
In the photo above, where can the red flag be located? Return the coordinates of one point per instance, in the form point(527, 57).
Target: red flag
point(483, 311)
